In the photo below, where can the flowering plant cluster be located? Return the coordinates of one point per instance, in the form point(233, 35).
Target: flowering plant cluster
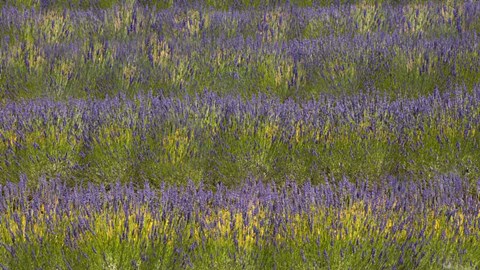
point(286, 50)
point(212, 138)
point(340, 224)
point(239, 134)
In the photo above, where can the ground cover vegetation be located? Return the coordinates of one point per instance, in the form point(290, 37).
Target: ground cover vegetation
point(239, 134)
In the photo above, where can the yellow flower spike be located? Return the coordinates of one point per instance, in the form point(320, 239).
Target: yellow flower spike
point(12, 139)
point(271, 130)
point(177, 144)
point(298, 131)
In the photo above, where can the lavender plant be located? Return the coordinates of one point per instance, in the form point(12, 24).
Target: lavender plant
point(339, 224)
point(285, 50)
point(239, 134)
point(214, 138)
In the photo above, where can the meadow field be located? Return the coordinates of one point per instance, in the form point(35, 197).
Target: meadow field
point(239, 134)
